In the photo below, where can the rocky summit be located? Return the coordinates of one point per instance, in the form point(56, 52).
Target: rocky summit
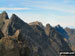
point(17, 38)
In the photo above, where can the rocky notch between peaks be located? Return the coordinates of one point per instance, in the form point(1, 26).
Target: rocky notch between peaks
point(18, 38)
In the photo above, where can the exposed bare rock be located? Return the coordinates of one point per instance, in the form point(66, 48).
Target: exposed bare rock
point(47, 29)
point(9, 46)
point(3, 18)
point(5, 27)
point(1, 34)
point(4, 15)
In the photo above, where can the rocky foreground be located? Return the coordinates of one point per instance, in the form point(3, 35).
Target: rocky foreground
point(18, 38)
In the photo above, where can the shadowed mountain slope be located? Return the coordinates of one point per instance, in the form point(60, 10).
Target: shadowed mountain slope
point(62, 31)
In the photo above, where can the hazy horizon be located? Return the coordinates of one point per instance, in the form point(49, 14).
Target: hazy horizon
point(46, 11)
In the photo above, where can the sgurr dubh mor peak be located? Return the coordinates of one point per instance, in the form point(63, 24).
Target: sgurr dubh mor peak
point(19, 38)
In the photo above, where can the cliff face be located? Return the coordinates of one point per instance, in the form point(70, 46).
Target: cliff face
point(22, 39)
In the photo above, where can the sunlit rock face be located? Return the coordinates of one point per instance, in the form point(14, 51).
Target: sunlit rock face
point(4, 21)
point(22, 39)
point(3, 16)
point(9, 46)
point(48, 29)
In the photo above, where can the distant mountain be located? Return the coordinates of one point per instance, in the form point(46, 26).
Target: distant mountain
point(71, 33)
point(22, 39)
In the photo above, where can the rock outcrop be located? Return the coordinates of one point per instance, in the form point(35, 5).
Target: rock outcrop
point(3, 16)
point(4, 21)
point(9, 46)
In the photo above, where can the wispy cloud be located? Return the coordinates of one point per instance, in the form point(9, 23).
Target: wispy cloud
point(69, 1)
point(56, 6)
point(14, 8)
point(59, 9)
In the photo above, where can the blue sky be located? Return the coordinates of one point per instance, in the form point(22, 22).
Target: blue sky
point(46, 11)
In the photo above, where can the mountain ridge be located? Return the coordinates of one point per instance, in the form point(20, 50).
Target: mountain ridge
point(22, 39)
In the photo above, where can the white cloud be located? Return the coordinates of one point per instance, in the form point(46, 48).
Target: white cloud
point(58, 8)
point(14, 8)
point(62, 7)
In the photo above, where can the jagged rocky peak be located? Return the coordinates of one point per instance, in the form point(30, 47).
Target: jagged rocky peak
point(3, 18)
point(37, 23)
point(14, 17)
point(58, 26)
point(48, 28)
point(4, 15)
point(61, 31)
point(17, 21)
